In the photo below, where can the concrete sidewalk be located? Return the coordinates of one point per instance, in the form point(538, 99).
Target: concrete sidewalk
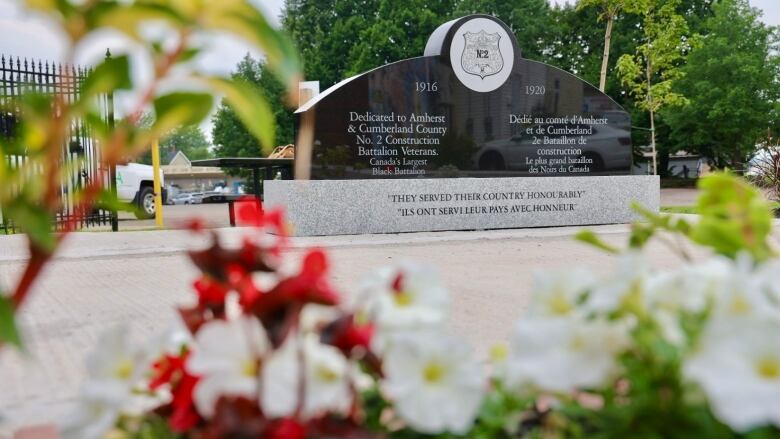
point(137, 278)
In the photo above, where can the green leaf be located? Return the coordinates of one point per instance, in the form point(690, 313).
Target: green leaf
point(41, 5)
point(180, 108)
point(640, 235)
point(113, 74)
point(9, 333)
point(189, 54)
point(251, 107)
point(35, 221)
point(48, 6)
point(36, 125)
point(734, 217)
point(109, 201)
point(588, 237)
point(242, 19)
point(128, 17)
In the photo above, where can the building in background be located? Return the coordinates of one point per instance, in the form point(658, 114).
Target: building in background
point(681, 164)
point(181, 176)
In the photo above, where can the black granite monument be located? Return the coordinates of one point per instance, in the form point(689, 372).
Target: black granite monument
point(470, 107)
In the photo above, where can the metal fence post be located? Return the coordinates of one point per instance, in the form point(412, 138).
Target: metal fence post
point(112, 166)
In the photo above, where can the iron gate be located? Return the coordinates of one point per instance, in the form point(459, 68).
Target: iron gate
point(80, 155)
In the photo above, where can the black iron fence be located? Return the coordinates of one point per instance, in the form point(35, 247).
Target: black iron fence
point(80, 158)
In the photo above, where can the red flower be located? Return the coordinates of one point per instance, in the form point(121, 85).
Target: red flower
point(241, 281)
point(348, 333)
point(285, 429)
point(312, 285)
point(210, 291)
point(279, 308)
point(184, 416)
point(275, 220)
point(171, 370)
point(398, 283)
point(164, 369)
point(250, 212)
point(195, 225)
point(309, 286)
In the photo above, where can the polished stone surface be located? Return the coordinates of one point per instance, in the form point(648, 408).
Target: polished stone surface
point(426, 117)
point(343, 207)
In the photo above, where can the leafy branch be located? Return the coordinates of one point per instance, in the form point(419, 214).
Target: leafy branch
point(31, 195)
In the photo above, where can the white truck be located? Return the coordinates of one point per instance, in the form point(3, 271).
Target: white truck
point(135, 185)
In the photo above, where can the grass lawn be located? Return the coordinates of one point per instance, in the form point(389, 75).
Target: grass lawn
point(678, 209)
point(692, 209)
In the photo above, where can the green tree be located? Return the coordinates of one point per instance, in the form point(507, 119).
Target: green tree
point(608, 12)
point(399, 31)
point(650, 73)
point(731, 85)
point(189, 139)
point(325, 32)
point(696, 13)
point(229, 134)
point(530, 20)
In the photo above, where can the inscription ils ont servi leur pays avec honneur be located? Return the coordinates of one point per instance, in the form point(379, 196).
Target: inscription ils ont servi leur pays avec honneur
point(484, 208)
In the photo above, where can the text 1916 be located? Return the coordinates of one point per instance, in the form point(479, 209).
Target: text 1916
point(423, 87)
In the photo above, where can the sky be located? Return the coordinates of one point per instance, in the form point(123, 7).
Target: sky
point(27, 35)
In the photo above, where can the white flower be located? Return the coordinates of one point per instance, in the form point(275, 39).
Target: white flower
point(226, 355)
point(557, 294)
point(671, 294)
point(92, 419)
point(435, 383)
point(562, 355)
point(769, 276)
point(114, 367)
point(408, 297)
point(171, 340)
point(738, 367)
point(327, 380)
point(689, 289)
point(629, 278)
point(743, 293)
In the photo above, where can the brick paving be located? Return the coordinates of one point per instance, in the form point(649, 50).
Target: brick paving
point(136, 278)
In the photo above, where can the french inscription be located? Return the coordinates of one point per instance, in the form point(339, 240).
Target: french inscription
point(485, 203)
point(559, 142)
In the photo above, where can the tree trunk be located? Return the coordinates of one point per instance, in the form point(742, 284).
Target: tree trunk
point(652, 142)
point(650, 104)
point(736, 162)
point(605, 57)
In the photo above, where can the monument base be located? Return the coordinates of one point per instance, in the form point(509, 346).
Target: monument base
point(349, 207)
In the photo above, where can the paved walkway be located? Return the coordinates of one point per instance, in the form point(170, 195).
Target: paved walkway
point(136, 278)
point(102, 279)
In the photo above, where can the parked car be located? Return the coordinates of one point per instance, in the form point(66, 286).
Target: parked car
point(187, 199)
point(608, 148)
point(197, 197)
point(135, 184)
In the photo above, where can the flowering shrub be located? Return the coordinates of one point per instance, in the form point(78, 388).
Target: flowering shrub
point(268, 352)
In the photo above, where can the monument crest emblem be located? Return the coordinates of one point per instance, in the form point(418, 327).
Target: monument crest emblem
point(482, 54)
